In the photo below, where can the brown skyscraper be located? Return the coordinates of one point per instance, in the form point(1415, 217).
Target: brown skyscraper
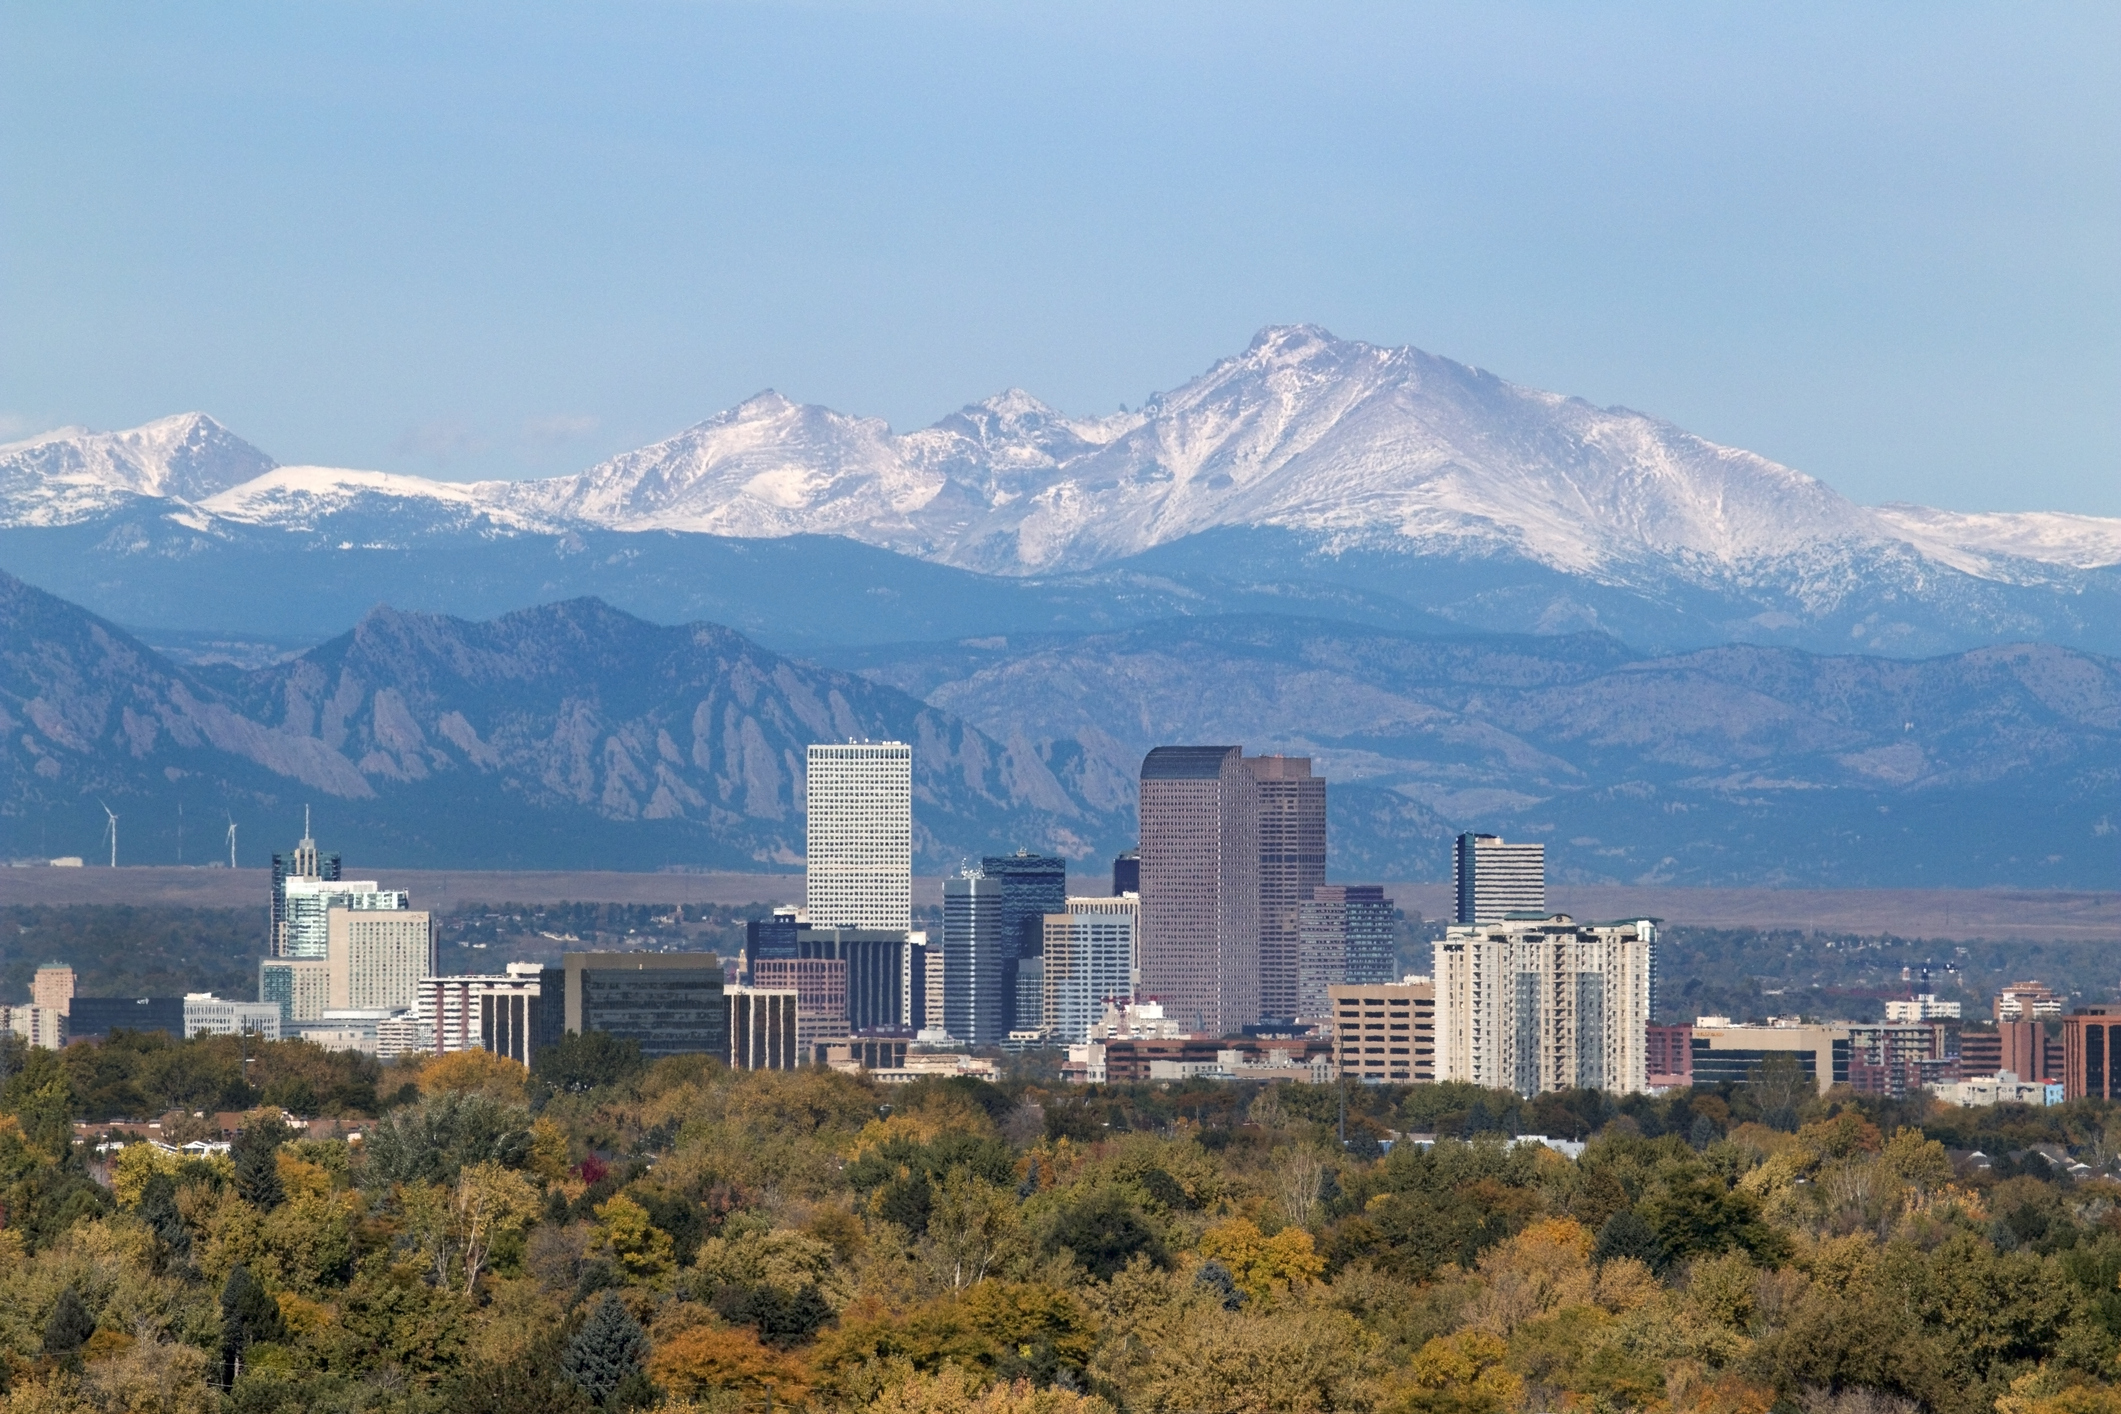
point(1200, 886)
point(1292, 861)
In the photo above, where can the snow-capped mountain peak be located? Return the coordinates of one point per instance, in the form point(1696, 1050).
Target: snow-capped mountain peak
point(73, 473)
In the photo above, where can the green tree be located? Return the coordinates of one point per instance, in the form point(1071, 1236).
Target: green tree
point(68, 1327)
point(1625, 1234)
point(1105, 1233)
point(249, 1316)
point(607, 1352)
point(256, 1153)
point(583, 1061)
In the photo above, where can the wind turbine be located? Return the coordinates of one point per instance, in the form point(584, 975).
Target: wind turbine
point(231, 842)
point(111, 832)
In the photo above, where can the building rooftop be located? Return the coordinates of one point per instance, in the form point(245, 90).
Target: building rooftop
point(1185, 763)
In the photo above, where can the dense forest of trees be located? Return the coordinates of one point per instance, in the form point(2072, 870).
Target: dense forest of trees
point(608, 1234)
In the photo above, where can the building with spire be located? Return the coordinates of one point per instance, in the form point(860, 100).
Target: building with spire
point(304, 863)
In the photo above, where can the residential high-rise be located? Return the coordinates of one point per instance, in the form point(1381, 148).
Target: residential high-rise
point(671, 1002)
point(1292, 861)
point(491, 1012)
point(974, 951)
point(1033, 885)
point(1200, 886)
point(858, 854)
point(1088, 964)
point(377, 957)
point(305, 861)
point(1533, 1005)
point(53, 986)
point(1492, 878)
point(44, 1027)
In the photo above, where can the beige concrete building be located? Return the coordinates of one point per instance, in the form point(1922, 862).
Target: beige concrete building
point(1727, 1051)
point(300, 986)
point(1292, 862)
point(1200, 886)
point(858, 835)
point(53, 987)
point(1533, 1005)
point(1385, 1033)
point(376, 957)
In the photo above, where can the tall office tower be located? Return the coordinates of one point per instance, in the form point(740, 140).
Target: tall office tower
point(1200, 886)
point(1089, 963)
point(1493, 879)
point(1127, 873)
point(671, 1002)
point(53, 986)
point(1321, 949)
point(1533, 1005)
point(377, 957)
point(1292, 860)
point(1033, 885)
point(304, 862)
point(300, 987)
point(1028, 1012)
point(771, 936)
point(1373, 936)
point(306, 905)
point(973, 953)
point(858, 856)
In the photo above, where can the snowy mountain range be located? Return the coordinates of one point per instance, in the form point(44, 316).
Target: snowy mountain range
point(1305, 465)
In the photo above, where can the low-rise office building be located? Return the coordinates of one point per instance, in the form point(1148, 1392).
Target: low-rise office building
point(208, 1015)
point(1385, 1034)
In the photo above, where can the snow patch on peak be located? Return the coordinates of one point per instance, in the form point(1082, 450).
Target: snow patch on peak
point(2077, 542)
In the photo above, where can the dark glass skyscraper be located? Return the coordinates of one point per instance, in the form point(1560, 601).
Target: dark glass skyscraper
point(1033, 885)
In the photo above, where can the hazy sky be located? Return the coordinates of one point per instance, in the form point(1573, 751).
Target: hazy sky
point(1880, 243)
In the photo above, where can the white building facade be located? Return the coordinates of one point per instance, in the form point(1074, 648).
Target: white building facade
point(208, 1015)
point(1533, 1005)
point(858, 835)
point(307, 928)
point(1492, 878)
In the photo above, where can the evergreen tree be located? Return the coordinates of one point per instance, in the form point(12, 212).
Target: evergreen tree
point(257, 1157)
point(158, 1209)
point(607, 1352)
point(69, 1327)
point(1626, 1234)
point(1220, 1284)
point(249, 1315)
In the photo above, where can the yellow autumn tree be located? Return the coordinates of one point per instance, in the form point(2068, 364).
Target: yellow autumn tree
point(625, 1234)
point(1260, 1264)
point(478, 1072)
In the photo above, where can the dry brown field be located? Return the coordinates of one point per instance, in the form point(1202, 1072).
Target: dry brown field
point(1926, 913)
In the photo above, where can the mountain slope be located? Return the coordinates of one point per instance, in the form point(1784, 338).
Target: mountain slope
point(1726, 765)
point(568, 735)
point(73, 474)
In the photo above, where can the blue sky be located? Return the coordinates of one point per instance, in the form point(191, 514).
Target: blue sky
point(1876, 242)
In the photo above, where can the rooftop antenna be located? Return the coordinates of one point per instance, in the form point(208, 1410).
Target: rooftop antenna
point(111, 832)
point(231, 841)
point(180, 832)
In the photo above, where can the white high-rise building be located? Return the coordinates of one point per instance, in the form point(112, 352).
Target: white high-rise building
point(858, 854)
point(1492, 878)
point(1089, 962)
point(1533, 1005)
point(378, 956)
